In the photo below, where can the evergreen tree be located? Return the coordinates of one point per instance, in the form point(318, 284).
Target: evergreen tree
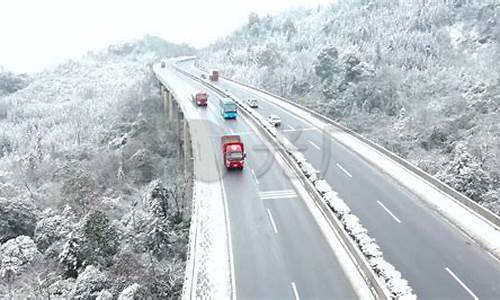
point(69, 258)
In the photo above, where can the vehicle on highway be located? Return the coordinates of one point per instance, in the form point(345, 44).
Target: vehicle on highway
point(162, 64)
point(214, 75)
point(233, 151)
point(252, 102)
point(200, 98)
point(274, 120)
point(228, 108)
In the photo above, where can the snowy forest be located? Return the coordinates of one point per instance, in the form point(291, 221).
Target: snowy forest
point(419, 77)
point(92, 198)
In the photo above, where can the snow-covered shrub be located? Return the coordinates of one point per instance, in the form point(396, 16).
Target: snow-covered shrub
point(61, 288)
point(71, 256)
point(18, 217)
point(51, 229)
point(80, 192)
point(465, 174)
point(16, 254)
point(104, 295)
point(337, 204)
point(89, 283)
point(99, 239)
point(132, 292)
point(11, 83)
point(322, 186)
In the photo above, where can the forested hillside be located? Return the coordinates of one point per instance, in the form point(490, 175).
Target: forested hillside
point(91, 182)
point(419, 77)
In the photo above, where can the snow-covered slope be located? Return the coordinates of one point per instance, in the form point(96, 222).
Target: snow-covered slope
point(87, 170)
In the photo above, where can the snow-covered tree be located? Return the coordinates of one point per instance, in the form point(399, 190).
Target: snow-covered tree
point(89, 283)
point(70, 257)
point(61, 288)
point(50, 229)
point(99, 239)
point(132, 292)
point(17, 217)
point(16, 255)
point(11, 83)
point(465, 174)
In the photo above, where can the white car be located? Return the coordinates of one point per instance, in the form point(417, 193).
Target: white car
point(252, 102)
point(274, 120)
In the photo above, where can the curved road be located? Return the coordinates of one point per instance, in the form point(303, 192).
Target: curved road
point(279, 250)
point(438, 260)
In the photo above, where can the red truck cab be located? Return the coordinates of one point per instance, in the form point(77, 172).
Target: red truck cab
point(214, 75)
point(233, 151)
point(200, 98)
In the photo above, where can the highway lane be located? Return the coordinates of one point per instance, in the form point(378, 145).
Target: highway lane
point(278, 248)
point(437, 259)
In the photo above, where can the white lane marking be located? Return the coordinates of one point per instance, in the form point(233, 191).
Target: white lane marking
point(295, 292)
point(461, 283)
point(278, 197)
point(230, 241)
point(272, 221)
point(254, 176)
point(314, 145)
point(234, 132)
point(290, 126)
point(300, 129)
point(242, 133)
point(344, 170)
point(388, 211)
point(270, 197)
point(277, 194)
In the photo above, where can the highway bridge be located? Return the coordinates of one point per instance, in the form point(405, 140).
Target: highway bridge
point(265, 233)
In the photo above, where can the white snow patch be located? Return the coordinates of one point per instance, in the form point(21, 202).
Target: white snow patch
point(322, 186)
point(456, 35)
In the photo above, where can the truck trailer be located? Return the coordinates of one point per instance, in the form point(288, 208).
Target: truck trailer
point(214, 75)
point(233, 151)
point(200, 98)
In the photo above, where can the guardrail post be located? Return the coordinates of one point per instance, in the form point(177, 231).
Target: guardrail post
point(188, 163)
point(171, 107)
point(179, 130)
point(164, 93)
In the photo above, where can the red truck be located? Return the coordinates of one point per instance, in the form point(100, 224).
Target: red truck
point(200, 98)
point(233, 151)
point(214, 75)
